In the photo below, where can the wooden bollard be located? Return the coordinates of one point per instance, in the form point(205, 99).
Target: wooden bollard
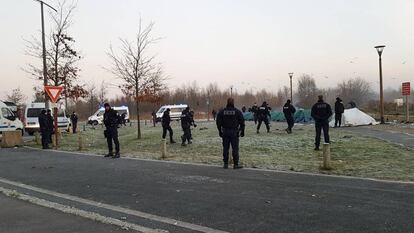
point(164, 148)
point(37, 138)
point(80, 141)
point(326, 156)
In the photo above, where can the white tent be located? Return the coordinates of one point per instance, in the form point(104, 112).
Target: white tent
point(354, 117)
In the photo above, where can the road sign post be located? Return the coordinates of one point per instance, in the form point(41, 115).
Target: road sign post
point(406, 91)
point(54, 94)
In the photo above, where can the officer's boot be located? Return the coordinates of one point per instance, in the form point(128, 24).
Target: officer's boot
point(172, 141)
point(183, 141)
point(110, 154)
point(257, 131)
point(226, 165)
point(117, 155)
point(237, 166)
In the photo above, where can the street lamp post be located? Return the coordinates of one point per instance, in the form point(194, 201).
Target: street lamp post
point(291, 87)
point(44, 47)
point(380, 49)
point(231, 91)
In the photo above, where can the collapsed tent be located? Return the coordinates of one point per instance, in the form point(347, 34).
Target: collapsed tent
point(354, 117)
point(301, 116)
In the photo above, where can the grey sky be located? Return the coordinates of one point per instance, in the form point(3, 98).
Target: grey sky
point(230, 42)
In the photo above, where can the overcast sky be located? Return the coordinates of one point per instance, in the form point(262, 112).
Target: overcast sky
point(251, 44)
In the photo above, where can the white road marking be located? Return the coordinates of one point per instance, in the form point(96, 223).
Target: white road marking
point(78, 212)
point(136, 213)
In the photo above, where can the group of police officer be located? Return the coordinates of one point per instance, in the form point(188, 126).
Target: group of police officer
point(230, 125)
point(46, 127)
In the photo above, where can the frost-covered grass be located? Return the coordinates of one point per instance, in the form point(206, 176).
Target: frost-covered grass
point(352, 154)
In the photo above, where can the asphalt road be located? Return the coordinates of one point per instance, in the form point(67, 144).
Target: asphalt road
point(205, 196)
point(400, 138)
point(20, 216)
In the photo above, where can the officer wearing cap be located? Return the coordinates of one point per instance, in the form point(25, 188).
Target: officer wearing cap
point(339, 110)
point(230, 124)
point(289, 111)
point(321, 112)
point(186, 120)
point(111, 121)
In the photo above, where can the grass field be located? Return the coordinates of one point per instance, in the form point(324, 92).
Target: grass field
point(352, 154)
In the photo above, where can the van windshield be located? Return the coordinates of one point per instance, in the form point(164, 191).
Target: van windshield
point(34, 112)
point(161, 110)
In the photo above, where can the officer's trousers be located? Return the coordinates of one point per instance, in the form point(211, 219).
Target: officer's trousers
point(187, 134)
point(45, 139)
point(319, 126)
point(231, 138)
point(290, 121)
point(112, 135)
point(338, 119)
point(266, 121)
point(164, 132)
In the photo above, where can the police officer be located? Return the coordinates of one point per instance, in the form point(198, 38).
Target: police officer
point(254, 110)
point(111, 121)
point(74, 120)
point(339, 110)
point(321, 112)
point(44, 131)
point(165, 121)
point(186, 121)
point(289, 111)
point(230, 124)
point(262, 115)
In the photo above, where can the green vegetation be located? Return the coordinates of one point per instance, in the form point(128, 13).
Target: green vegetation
point(352, 154)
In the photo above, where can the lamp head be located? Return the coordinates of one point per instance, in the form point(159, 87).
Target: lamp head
point(380, 49)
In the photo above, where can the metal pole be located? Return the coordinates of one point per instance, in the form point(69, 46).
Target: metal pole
point(381, 92)
point(408, 108)
point(291, 91)
point(44, 56)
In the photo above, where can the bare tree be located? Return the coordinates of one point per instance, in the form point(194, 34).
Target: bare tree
point(136, 68)
point(61, 57)
point(356, 90)
point(307, 91)
point(102, 93)
point(16, 96)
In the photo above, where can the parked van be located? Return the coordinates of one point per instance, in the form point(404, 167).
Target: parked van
point(175, 111)
point(9, 121)
point(97, 117)
point(32, 113)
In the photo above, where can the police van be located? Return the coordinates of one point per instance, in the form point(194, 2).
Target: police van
point(97, 117)
point(175, 111)
point(32, 114)
point(8, 120)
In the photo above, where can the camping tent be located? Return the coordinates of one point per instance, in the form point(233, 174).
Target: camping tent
point(354, 117)
point(301, 116)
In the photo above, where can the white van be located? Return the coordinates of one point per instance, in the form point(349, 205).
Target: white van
point(32, 113)
point(9, 121)
point(97, 117)
point(175, 111)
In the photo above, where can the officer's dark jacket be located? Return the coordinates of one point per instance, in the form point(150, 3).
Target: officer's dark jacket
point(264, 111)
point(74, 118)
point(321, 111)
point(230, 118)
point(111, 118)
point(166, 119)
point(186, 118)
point(49, 122)
point(254, 109)
point(42, 122)
point(288, 109)
point(339, 107)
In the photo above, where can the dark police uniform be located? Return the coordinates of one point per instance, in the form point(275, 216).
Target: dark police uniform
point(339, 110)
point(230, 124)
point(74, 120)
point(50, 124)
point(321, 112)
point(165, 121)
point(262, 115)
point(186, 121)
point(44, 131)
point(111, 121)
point(289, 111)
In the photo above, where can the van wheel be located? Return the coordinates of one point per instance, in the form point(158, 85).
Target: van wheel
point(31, 133)
point(95, 122)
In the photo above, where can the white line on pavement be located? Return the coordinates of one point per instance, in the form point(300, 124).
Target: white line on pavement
point(78, 212)
point(136, 213)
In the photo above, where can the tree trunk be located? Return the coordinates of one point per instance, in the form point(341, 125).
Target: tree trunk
point(139, 122)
